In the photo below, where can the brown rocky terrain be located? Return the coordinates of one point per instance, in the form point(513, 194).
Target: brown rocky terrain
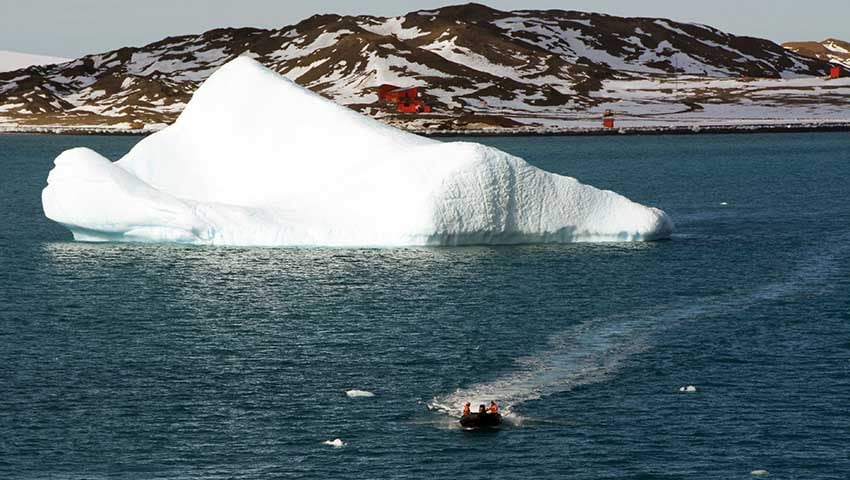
point(475, 65)
point(829, 50)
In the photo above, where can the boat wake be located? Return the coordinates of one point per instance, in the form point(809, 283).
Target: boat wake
point(594, 350)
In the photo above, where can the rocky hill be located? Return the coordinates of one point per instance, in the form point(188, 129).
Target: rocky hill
point(478, 67)
point(830, 50)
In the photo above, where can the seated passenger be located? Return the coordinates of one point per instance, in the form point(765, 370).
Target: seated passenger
point(493, 408)
point(466, 409)
point(481, 409)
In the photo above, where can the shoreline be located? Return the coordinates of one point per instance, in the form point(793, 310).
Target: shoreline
point(631, 131)
point(504, 132)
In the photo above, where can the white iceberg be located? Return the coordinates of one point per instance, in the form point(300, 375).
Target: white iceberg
point(359, 394)
point(257, 160)
point(336, 443)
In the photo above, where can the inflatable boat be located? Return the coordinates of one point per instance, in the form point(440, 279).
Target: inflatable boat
point(481, 420)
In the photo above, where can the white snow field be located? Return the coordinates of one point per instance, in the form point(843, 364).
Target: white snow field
point(11, 61)
point(275, 164)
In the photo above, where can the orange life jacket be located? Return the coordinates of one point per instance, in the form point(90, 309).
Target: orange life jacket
point(466, 409)
point(494, 408)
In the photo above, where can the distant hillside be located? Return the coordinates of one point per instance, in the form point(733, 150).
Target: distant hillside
point(11, 61)
point(521, 67)
point(830, 50)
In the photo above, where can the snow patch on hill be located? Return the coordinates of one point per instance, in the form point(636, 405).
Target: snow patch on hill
point(392, 26)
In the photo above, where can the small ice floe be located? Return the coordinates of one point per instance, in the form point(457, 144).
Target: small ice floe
point(359, 394)
point(759, 473)
point(688, 389)
point(723, 204)
point(336, 443)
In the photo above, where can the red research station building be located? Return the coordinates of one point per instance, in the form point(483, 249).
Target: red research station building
point(405, 99)
point(608, 119)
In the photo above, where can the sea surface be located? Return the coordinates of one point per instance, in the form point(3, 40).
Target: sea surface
point(121, 361)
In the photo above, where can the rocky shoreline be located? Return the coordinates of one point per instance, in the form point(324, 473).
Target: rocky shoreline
point(843, 126)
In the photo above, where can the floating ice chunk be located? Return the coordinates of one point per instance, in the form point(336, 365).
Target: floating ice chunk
point(688, 389)
point(255, 159)
point(336, 443)
point(359, 393)
point(759, 473)
point(723, 204)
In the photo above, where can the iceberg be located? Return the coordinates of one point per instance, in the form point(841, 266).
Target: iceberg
point(336, 443)
point(359, 394)
point(256, 160)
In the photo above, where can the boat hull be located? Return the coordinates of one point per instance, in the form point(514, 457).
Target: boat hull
point(481, 420)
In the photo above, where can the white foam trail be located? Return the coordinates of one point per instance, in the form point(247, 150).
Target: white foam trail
point(586, 353)
point(592, 351)
point(336, 443)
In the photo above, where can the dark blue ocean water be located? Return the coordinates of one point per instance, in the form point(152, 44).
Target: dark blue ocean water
point(148, 362)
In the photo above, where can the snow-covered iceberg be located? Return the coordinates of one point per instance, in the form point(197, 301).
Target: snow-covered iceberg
point(257, 160)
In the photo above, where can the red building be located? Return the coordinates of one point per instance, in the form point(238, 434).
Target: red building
point(608, 119)
point(835, 72)
point(406, 99)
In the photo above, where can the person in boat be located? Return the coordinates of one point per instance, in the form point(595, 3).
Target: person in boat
point(482, 419)
point(493, 408)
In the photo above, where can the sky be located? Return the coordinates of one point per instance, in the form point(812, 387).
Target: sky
point(72, 28)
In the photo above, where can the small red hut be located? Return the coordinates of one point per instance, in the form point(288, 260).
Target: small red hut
point(835, 71)
point(608, 119)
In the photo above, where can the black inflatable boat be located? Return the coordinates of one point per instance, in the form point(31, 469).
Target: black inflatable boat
point(481, 420)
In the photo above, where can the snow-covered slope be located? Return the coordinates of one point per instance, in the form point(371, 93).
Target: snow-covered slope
point(502, 66)
point(10, 61)
point(251, 161)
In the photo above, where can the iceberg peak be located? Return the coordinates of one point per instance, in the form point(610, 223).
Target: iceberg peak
point(255, 159)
